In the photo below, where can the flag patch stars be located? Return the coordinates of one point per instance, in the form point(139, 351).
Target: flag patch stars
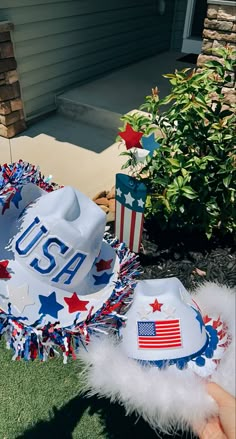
point(49, 305)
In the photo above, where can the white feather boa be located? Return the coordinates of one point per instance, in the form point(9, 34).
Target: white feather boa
point(167, 399)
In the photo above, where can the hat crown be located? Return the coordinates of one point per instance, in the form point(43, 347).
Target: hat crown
point(163, 323)
point(60, 237)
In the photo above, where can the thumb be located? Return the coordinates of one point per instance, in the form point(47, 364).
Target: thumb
point(226, 404)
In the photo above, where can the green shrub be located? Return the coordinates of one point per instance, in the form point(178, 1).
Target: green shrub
point(191, 175)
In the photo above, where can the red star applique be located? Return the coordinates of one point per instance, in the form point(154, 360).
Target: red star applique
point(206, 319)
point(4, 274)
point(156, 306)
point(131, 137)
point(103, 265)
point(75, 304)
point(216, 323)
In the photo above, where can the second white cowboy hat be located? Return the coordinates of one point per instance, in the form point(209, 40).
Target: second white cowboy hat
point(172, 343)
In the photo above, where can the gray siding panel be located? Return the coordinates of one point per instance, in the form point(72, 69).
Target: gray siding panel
point(62, 42)
point(178, 24)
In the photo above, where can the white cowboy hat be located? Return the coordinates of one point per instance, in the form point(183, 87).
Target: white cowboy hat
point(171, 345)
point(56, 270)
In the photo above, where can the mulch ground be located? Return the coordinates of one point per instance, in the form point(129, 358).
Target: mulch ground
point(192, 259)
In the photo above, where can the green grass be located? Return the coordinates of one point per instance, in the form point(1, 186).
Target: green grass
point(41, 400)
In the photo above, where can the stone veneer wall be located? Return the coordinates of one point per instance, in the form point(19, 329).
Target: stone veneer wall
point(12, 119)
point(219, 30)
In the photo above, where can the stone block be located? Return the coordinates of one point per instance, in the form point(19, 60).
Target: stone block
point(7, 64)
point(226, 13)
point(219, 35)
point(11, 130)
point(212, 11)
point(16, 104)
point(11, 77)
point(207, 45)
point(202, 59)
point(8, 92)
point(5, 36)
point(218, 25)
point(5, 107)
point(6, 26)
point(234, 27)
point(229, 95)
point(6, 50)
point(9, 119)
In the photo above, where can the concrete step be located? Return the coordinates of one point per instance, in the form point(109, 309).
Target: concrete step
point(88, 114)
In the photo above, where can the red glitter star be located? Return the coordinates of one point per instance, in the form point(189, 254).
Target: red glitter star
point(4, 274)
point(131, 137)
point(156, 306)
point(103, 265)
point(75, 304)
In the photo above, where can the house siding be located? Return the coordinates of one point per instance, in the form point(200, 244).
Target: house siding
point(62, 42)
point(178, 24)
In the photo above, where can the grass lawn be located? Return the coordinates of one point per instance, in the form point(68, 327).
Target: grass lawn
point(41, 400)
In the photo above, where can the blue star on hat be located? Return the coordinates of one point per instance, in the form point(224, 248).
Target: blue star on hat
point(103, 279)
point(49, 305)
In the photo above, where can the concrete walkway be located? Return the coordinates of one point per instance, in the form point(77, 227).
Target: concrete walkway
point(83, 154)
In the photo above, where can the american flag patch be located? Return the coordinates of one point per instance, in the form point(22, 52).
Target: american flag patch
point(161, 334)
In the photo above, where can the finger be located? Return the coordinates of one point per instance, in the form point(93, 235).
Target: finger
point(211, 430)
point(222, 397)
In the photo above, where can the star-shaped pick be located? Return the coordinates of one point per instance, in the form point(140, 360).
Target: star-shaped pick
point(103, 279)
point(75, 304)
point(131, 137)
point(129, 199)
point(103, 265)
point(19, 297)
point(150, 144)
point(49, 305)
point(4, 274)
point(198, 318)
point(156, 306)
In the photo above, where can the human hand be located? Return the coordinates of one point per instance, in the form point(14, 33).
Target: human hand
point(223, 426)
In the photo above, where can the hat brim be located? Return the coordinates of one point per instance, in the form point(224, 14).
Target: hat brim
point(167, 398)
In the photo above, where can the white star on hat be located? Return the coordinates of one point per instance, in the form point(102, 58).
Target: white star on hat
point(19, 297)
point(129, 199)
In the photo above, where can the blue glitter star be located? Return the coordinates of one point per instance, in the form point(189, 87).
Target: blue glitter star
point(49, 305)
point(150, 144)
point(103, 279)
point(199, 318)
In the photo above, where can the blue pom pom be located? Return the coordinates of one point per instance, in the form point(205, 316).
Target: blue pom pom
point(209, 352)
point(181, 364)
point(200, 361)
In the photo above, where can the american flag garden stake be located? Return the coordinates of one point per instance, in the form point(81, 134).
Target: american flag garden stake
point(130, 205)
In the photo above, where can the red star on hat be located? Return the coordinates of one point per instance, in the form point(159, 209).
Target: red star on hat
point(131, 137)
point(103, 265)
point(75, 304)
point(4, 274)
point(156, 306)
point(206, 319)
